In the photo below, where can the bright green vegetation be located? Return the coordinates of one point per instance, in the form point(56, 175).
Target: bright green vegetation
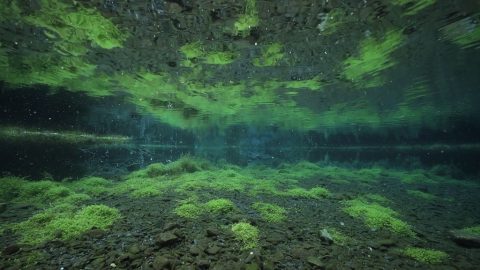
point(428, 256)
point(377, 216)
point(65, 222)
point(465, 33)
point(76, 26)
point(373, 57)
point(189, 210)
point(9, 10)
point(313, 193)
point(246, 234)
point(91, 185)
point(71, 137)
point(270, 212)
point(219, 206)
point(39, 193)
point(312, 84)
point(248, 20)
point(422, 195)
point(413, 7)
point(195, 50)
point(271, 55)
point(475, 230)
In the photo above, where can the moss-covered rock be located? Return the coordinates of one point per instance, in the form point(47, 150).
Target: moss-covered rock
point(247, 234)
point(428, 256)
point(270, 212)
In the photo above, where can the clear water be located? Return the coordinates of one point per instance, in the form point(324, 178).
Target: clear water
point(239, 134)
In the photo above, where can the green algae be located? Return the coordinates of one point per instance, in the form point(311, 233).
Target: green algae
point(247, 234)
point(465, 32)
point(188, 210)
point(65, 222)
point(374, 56)
point(220, 58)
point(270, 212)
point(78, 25)
point(248, 20)
point(424, 255)
point(313, 193)
point(377, 216)
point(333, 21)
point(219, 206)
point(272, 54)
point(413, 7)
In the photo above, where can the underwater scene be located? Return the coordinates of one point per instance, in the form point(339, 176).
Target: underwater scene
point(239, 134)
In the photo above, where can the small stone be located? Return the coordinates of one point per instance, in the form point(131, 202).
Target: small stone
point(203, 263)
point(113, 265)
point(134, 249)
point(166, 239)
point(195, 250)
point(9, 250)
point(213, 250)
point(212, 232)
point(95, 233)
point(161, 262)
point(3, 207)
point(316, 262)
point(170, 226)
point(326, 236)
point(387, 243)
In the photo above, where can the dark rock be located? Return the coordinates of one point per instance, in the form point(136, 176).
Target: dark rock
point(326, 236)
point(212, 232)
point(387, 242)
point(166, 239)
point(213, 250)
point(170, 226)
point(203, 264)
point(95, 233)
point(466, 239)
point(316, 262)
point(162, 262)
point(134, 249)
point(252, 266)
point(9, 250)
point(195, 250)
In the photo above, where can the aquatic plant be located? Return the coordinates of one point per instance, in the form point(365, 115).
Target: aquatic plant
point(312, 84)
point(374, 56)
point(247, 234)
point(219, 206)
point(333, 21)
point(376, 216)
point(10, 187)
point(474, 230)
point(413, 7)
point(424, 255)
point(271, 55)
point(247, 20)
point(270, 212)
point(219, 58)
point(91, 185)
point(188, 210)
point(139, 187)
point(63, 221)
point(465, 32)
point(313, 193)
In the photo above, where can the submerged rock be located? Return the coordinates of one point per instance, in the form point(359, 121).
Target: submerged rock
point(166, 239)
point(316, 262)
point(465, 238)
point(9, 250)
point(326, 236)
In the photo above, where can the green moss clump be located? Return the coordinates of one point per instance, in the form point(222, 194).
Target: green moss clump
point(192, 50)
point(428, 256)
point(247, 234)
point(10, 187)
point(248, 20)
point(139, 187)
point(220, 58)
point(92, 185)
point(377, 216)
point(313, 193)
point(185, 164)
point(64, 222)
point(464, 33)
point(219, 206)
point(189, 210)
point(475, 230)
point(270, 212)
point(422, 195)
point(271, 55)
point(374, 57)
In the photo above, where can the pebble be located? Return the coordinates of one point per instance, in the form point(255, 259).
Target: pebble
point(166, 239)
point(9, 250)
